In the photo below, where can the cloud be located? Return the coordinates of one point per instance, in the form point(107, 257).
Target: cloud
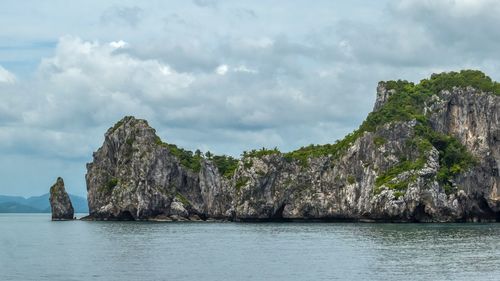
point(244, 68)
point(80, 91)
point(445, 32)
point(6, 76)
point(205, 3)
point(107, 79)
point(246, 13)
point(222, 69)
point(86, 86)
point(130, 16)
point(230, 78)
point(118, 44)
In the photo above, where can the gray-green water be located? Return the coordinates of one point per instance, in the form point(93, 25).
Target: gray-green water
point(34, 248)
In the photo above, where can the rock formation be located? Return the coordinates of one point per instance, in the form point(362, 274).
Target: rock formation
point(428, 152)
point(60, 203)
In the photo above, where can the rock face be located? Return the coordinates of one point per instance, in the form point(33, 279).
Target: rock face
point(440, 165)
point(135, 176)
point(60, 203)
point(383, 95)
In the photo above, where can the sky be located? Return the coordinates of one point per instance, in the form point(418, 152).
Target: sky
point(224, 76)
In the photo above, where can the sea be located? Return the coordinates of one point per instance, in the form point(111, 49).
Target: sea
point(32, 247)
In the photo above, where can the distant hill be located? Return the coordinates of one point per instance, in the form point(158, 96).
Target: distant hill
point(37, 204)
point(13, 207)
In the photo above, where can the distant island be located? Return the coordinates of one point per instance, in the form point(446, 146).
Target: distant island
point(37, 204)
point(429, 152)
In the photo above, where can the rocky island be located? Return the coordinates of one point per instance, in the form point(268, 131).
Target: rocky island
point(429, 152)
point(60, 203)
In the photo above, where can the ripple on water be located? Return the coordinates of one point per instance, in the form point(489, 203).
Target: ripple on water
point(34, 248)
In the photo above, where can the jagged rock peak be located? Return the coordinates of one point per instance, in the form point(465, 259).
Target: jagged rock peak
point(135, 176)
point(128, 123)
point(60, 203)
point(383, 94)
point(131, 130)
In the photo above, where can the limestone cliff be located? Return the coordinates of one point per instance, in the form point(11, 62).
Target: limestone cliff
point(428, 152)
point(60, 203)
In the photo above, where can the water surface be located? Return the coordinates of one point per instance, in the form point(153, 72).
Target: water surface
point(34, 248)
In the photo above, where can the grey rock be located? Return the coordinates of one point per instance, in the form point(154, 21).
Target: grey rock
point(161, 218)
point(383, 94)
point(60, 203)
point(133, 176)
point(195, 218)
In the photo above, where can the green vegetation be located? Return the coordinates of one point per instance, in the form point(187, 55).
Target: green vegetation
point(181, 198)
point(453, 156)
point(120, 123)
point(186, 157)
point(379, 141)
point(351, 179)
point(130, 141)
point(464, 78)
point(117, 125)
point(112, 183)
point(398, 194)
point(453, 159)
point(261, 152)
point(241, 182)
point(393, 172)
point(303, 153)
point(247, 164)
point(109, 186)
point(225, 164)
point(407, 103)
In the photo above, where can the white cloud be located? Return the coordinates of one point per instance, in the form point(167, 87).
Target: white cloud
point(244, 68)
point(222, 69)
point(118, 44)
point(83, 88)
point(97, 68)
point(86, 86)
point(216, 79)
point(6, 76)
